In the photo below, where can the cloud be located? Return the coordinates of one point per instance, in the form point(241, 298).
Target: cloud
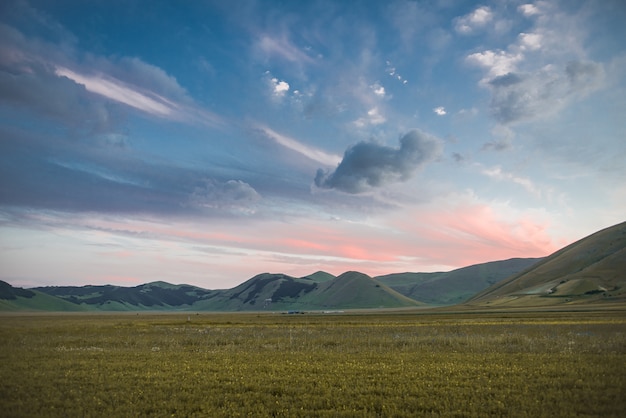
point(297, 146)
point(517, 97)
point(378, 89)
point(116, 90)
point(283, 48)
point(47, 79)
point(374, 117)
point(279, 87)
point(367, 165)
point(498, 174)
point(497, 63)
point(528, 10)
point(530, 41)
point(543, 71)
point(497, 145)
point(232, 195)
point(391, 70)
point(440, 111)
point(477, 19)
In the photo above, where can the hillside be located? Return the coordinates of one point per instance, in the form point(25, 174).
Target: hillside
point(18, 299)
point(150, 296)
point(591, 270)
point(456, 286)
point(281, 292)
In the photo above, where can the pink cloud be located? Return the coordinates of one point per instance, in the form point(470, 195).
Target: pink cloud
point(474, 233)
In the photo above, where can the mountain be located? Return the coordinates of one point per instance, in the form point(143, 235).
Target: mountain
point(456, 286)
point(265, 291)
point(591, 270)
point(282, 292)
point(151, 296)
point(356, 290)
point(18, 299)
point(320, 276)
point(259, 293)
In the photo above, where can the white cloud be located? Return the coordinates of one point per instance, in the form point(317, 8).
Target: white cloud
point(440, 110)
point(116, 90)
point(528, 10)
point(297, 146)
point(477, 19)
point(378, 89)
point(530, 41)
point(279, 87)
point(374, 117)
point(391, 70)
point(496, 63)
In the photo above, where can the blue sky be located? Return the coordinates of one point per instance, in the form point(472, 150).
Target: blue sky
point(205, 142)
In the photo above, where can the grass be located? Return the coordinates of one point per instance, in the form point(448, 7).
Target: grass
point(388, 364)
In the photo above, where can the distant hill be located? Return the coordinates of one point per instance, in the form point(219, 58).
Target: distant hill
point(320, 276)
point(150, 296)
point(18, 299)
point(456, 286)
point(265, 291)
point(281, 292)
point(591, 270)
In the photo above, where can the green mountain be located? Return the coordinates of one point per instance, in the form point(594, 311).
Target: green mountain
point(319, 276)
point(18, 299)
point(150, 296)
point(281, 292)
point(591, 270)
point(456, 286)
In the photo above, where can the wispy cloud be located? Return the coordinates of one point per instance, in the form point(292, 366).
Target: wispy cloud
point(116, 90)
point(282, 47)
point(311, 153)
point(499, 174)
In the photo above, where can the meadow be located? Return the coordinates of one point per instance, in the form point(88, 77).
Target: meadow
point(390, 364)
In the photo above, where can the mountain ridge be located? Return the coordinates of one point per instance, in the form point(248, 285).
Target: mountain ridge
point(590, 270)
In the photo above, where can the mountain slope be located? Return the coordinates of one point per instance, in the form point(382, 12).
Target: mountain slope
point(150, 296)
point(18, 299)
point(357, 290)
point(281, 292)
point(260, 292)
point(319, 277)
point(456, 286)
point(592, 269)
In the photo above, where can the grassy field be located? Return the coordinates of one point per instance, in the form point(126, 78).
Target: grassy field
point(318, 365)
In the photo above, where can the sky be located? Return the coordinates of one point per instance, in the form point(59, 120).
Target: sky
point(204, 142)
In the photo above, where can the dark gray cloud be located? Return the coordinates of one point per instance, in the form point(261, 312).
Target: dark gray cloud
point(497, 145)
point(518, 97)
point(367, 164)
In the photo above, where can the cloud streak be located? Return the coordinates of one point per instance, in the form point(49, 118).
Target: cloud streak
point(368, 165)
point(116, 90)
point(309, 152)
